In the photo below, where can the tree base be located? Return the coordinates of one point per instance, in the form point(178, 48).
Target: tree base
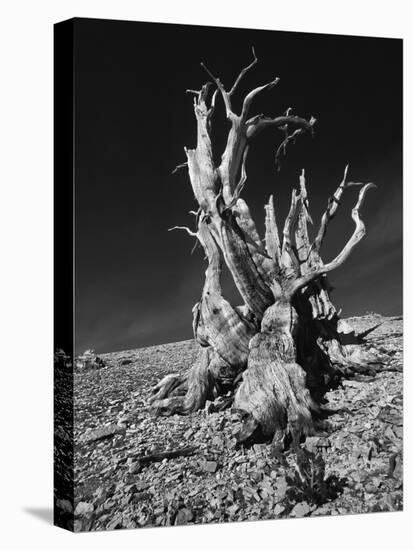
point(288, 374)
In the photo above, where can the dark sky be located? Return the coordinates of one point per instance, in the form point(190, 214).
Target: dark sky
point(136, 282)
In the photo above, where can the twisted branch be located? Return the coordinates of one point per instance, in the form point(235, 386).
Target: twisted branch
point(253, 93)
point(243, 73)
point(272, 241)
point(240, 185)
point(287, 254)
point(184, 228)
point(358, 234)
point(259, 122)
point(179, 167)
point(224, 93)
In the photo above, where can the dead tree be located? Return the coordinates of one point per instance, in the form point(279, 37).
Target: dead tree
point(275, 354)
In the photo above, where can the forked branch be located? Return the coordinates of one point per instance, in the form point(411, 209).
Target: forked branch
point(358, 234)
point(253, 93)
point(333, 204)
point(259, 122)
point(224, 93)
point(240, 185)
point(243, 73)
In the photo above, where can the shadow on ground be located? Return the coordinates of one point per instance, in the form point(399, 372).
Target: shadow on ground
point(44, 514)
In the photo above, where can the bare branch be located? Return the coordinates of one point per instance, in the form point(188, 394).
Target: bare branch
point(333, 204)
point(303, 188)
point(303, 197)
point(213, 100)
point(289, 221)
point(249, 97)
point(272, 241)
point(258, 123)
point(241, 183)
point(208, 71)
point(175, 170)
point(184, 228)
point(288, 257)
point(302, 241)
point(194, 247)
point(211, 109)
point(243, 72)
point(225, 95)
point(201, 94)
point(282, 148)
point(358, 234)
point(204, 92)
point(197, 215)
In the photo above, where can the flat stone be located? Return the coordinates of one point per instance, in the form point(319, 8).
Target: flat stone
point(217, 441)
point(135, 467)
point(142, 496)
point(115, 523)
point(125, 500)
point(389, 433)
point(370, 488)
point(84, 509)
point(77, 526)
point(311, 444)
point(260, 464)
point(281, 487)
point(101, 433)
point(210, 466)
point(188, 434)
point(122, 421)
point(184, 516)
point(232, 443)
point(300, 510)
point(139, 486)
point(278, 509)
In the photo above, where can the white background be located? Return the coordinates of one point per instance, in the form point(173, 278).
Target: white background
point(26, 268)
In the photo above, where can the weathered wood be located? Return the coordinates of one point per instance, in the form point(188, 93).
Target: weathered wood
point(272, 240)
point(274, 390)
point(144, 460)
point(279, 351)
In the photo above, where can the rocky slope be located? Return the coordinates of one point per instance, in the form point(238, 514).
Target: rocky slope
point(352, 465)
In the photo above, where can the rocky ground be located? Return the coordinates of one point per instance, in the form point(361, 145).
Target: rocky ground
point(352, 465)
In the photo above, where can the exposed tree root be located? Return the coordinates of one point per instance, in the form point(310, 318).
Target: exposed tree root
point(183, 394)
point(348, 351)
point(285, 379)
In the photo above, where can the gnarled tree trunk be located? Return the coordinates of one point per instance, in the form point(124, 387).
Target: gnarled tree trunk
point(277, 353)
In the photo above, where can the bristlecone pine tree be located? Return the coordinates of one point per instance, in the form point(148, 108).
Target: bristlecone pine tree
point(273, 357)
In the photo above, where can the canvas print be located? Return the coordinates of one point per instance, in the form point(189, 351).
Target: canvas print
point(228, 275)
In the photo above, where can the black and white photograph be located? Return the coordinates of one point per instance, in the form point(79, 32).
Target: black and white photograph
point(206, 271)
point(233, 200)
